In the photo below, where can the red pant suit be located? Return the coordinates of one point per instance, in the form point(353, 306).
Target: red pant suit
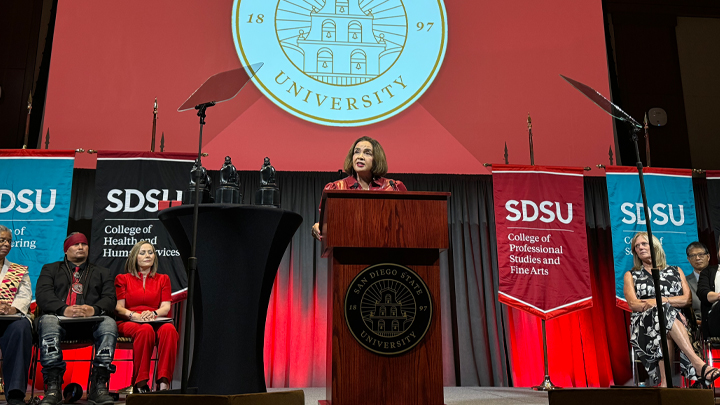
point(145, 335)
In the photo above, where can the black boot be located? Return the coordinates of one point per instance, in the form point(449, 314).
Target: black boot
point(53, 387)
point(98, 393)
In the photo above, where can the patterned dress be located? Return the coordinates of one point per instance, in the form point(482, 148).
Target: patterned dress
point(644, 326)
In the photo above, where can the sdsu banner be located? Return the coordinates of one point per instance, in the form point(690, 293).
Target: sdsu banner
point(672, 212)
point(35, 204)
point(541, 240)
point(713, 184)
point(128, 188)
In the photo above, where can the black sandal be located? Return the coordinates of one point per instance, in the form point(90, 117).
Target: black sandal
point(713, 372)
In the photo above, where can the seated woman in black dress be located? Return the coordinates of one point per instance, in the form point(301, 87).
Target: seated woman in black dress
point(644, 332)
point(365, 165)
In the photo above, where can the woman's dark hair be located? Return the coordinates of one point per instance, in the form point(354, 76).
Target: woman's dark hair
point(379, 167)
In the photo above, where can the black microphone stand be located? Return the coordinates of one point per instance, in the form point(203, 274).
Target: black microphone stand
point(618, 113)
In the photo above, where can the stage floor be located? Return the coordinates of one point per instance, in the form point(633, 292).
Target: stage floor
point(453, 396)
point(463, 396)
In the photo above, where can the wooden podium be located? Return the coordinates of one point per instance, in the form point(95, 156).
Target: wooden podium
point(366, 228)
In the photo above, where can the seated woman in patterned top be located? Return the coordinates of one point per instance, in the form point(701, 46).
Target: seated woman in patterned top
point(365, 165)
point(142, 296)
point(639, 291)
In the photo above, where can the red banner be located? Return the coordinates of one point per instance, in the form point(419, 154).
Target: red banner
point(541, 240)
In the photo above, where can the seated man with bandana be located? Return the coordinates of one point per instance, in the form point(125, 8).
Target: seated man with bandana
point(75, 288)
point(15, 335)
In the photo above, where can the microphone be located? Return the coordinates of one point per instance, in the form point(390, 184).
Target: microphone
point(392, 184)
point(355, 186)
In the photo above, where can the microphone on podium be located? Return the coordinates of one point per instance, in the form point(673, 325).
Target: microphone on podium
point(392, 184)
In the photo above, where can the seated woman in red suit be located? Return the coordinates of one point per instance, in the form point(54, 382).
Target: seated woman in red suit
point(142, 296)
point(365, 165)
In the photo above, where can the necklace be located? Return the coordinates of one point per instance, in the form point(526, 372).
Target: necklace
point(77, 286)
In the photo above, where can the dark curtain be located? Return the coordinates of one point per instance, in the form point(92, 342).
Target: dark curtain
point(82, 199)
point(609, 323)
point(484, 343)
point(475, 353)
point(707, 214)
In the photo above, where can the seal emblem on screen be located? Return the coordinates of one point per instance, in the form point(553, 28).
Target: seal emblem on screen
point(342, 62)
point(388, 309)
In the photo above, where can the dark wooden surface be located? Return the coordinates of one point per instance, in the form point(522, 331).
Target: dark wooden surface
point(631, 395)
point(365, 228)
point(367, 219)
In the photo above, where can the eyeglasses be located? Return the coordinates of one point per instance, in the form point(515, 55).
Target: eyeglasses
point(4, 241)
point(697, 255)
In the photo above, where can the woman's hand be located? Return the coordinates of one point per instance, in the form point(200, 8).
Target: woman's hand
point(647, 304)
point(7, 309)
point(147, 316)
point(316, 231)
point(713, 296)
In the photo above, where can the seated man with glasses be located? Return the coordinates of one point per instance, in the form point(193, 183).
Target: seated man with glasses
point(699, 258)
point(15, 334)
point(708, 289)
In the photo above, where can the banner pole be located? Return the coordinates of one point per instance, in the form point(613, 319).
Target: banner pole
point(546, 385)
point(154, 127)
point(27, 122)
point(530, 137)
point(647, 141)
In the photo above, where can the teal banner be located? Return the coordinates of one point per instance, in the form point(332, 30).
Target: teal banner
point(672, 216)
point(35, 204)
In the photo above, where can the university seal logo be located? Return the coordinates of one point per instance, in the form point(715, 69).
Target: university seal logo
point(342, 62)
point(388, 309)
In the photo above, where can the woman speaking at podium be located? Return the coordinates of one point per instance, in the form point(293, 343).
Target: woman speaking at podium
point(365, 165)
point(142, 296)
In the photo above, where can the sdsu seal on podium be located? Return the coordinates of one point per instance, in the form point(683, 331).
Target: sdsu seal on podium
point(342, 62)
point(388, 309)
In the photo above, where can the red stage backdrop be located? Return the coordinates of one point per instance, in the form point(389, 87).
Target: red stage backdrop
point(541, 240)
point(503, 59)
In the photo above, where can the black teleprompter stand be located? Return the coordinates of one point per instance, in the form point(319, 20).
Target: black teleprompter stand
point(617, 113)
point(216, 89)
